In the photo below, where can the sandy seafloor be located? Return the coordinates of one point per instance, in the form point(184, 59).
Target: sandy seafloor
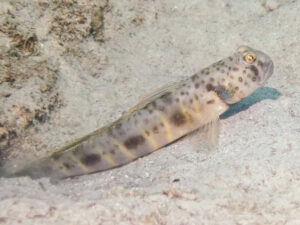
point(70, 67)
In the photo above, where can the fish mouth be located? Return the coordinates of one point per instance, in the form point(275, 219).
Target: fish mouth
point(268, 69)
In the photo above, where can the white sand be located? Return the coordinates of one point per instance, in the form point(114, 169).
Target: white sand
point(254, 176)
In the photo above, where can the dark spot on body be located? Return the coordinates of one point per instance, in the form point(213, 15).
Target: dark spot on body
point(161, 124)
point(212, 79)
point(147, 133)
point(210, 101)
point(134, 141)
point(197, 85)
point(253, 78)
point(196, 97)
point(118, 126)
point(207, 73)
point(194, 77)
point(90, 160)
point(236, 88)
point(182, 93)
point(120, 132)
point(112, 151)
point(150, 111)
point(209, 87)
point(254, 70)
point(161, 108)
point(155, 129)
point(240, 79)
point(191, 100)
point(178, 118)
point(56, 156)
point(67, 165)
point(177, 99)
point(218, 68)
point(230, 58)
point(153, 104)
point(167, 98)
point(235, 69)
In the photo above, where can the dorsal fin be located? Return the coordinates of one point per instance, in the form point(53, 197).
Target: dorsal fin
point(156, 94)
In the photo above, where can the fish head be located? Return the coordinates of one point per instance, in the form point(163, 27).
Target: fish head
point(249, 69)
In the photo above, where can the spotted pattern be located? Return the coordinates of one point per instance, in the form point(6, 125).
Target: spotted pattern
point(90, 160)
point(133, 142)
point(163, 119)
point(209, 87)
point(178, 119)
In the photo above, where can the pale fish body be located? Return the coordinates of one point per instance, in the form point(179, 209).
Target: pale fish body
point(160, 119)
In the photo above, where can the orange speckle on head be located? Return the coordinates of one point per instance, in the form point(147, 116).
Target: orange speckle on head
point(223, 79)
point(240, 79)
point(229, 84)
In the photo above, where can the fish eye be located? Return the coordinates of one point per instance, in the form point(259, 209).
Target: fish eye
point(249, 57)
